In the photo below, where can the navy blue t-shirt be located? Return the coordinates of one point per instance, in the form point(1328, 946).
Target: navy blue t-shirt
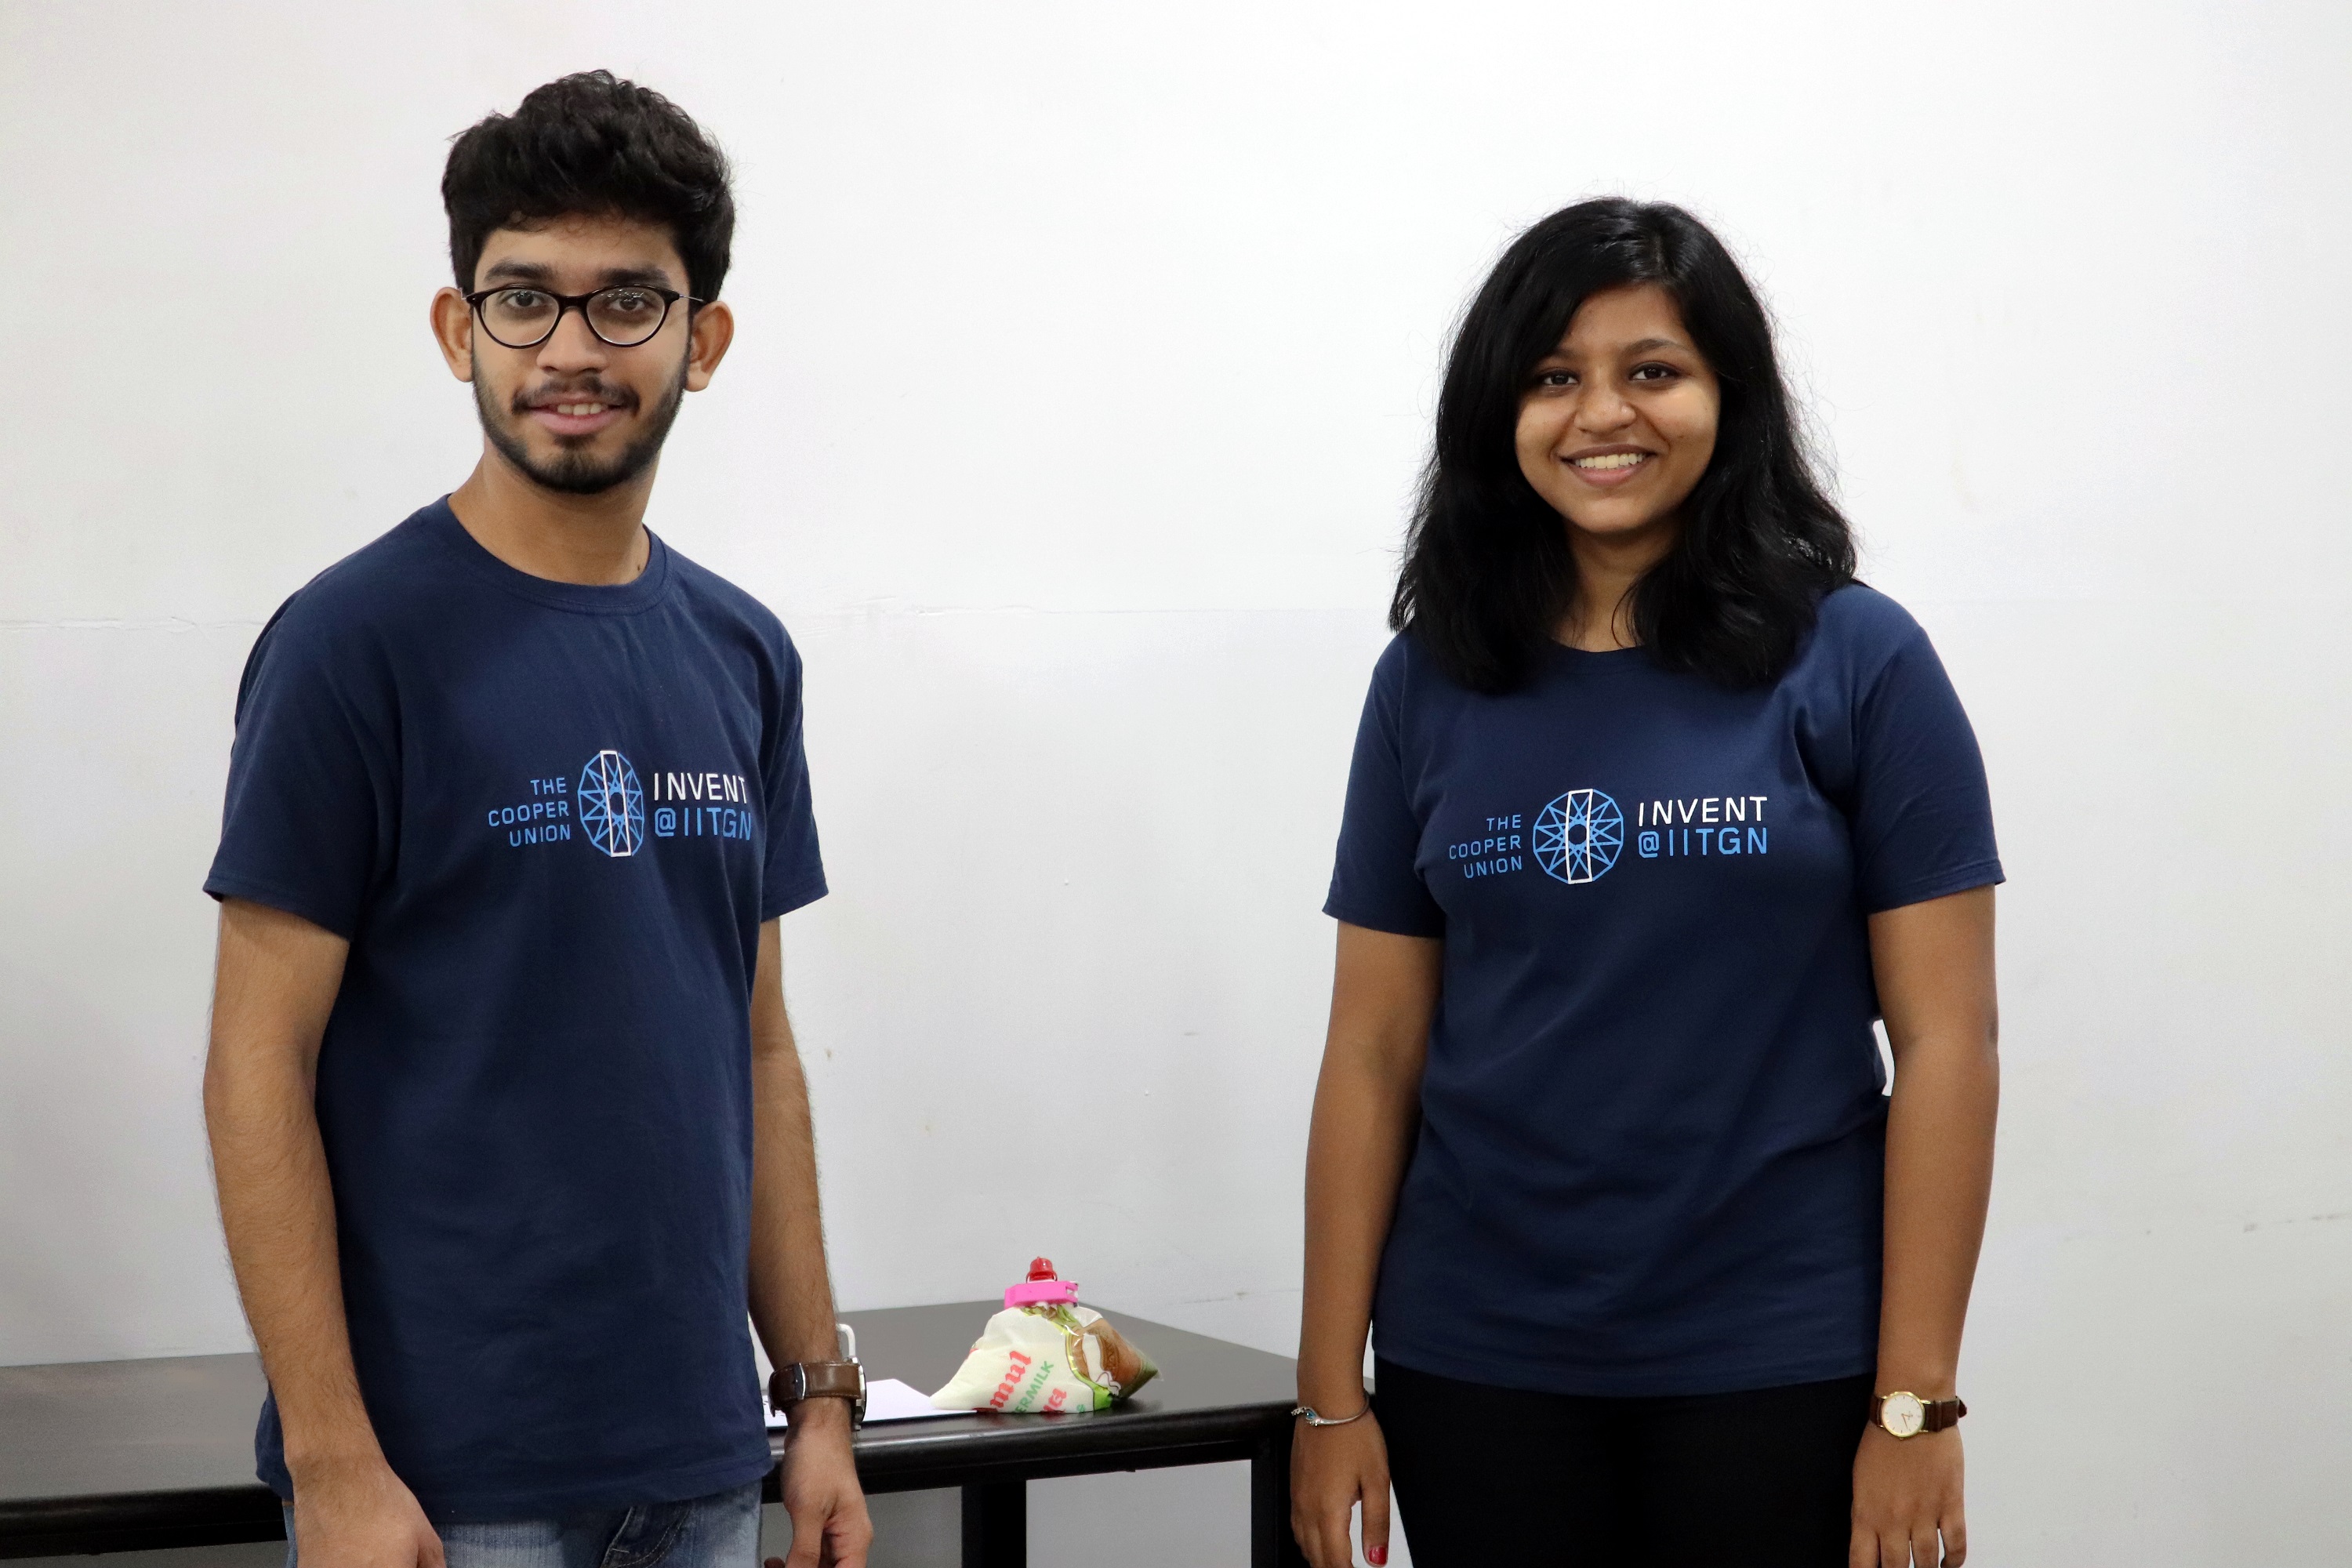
point(550, 819)
point(1651, 1149)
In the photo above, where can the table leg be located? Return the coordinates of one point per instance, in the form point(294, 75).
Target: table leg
point(996, 1525)
point(1272, 1545)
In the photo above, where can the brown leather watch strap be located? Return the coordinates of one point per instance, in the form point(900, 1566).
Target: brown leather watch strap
point(1935, 1414)
point(819, 1380)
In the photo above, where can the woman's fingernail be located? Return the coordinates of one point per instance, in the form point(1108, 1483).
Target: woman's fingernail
point(1376, 1556)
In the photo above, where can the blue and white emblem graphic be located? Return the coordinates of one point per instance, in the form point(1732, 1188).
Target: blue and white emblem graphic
point(1578, 836)
point(613, 805)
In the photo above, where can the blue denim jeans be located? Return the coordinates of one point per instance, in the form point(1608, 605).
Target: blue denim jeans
point(721, 1531)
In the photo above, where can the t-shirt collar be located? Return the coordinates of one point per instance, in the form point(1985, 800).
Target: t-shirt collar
point(640, 593)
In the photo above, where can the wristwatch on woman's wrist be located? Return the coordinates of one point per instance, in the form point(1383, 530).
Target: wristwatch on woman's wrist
point(1903, 1414)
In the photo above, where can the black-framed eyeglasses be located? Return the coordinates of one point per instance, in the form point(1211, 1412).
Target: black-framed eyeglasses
point(523, 317)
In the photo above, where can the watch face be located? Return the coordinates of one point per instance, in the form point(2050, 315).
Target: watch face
point(1903, 1414)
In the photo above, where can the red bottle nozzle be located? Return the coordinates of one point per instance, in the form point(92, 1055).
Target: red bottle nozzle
point(1042, 1285)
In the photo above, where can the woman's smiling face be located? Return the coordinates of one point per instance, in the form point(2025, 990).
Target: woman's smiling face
point(1619, 421)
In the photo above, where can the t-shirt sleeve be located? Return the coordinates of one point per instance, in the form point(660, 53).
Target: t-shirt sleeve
point(311, 816)
point(794, 874)
point(1374, 882)
point(1922, 814)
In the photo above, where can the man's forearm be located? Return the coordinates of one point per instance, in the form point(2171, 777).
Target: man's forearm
point(792, 1297)
point(280, 1219)
point(791, 1294)
point(277, 980)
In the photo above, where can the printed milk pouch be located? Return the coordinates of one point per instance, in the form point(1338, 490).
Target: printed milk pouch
point(1045, 1352)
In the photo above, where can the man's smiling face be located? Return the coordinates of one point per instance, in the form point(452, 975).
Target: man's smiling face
point(573, 413)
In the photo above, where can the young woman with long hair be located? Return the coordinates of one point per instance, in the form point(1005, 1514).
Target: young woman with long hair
point(1654, 811)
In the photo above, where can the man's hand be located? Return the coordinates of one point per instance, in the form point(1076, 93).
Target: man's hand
point(1907, 1492)
point(1332, 1468)
point(830, 1528)
point(357, 1514)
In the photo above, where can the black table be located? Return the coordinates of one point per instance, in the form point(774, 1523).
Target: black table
point(114, 1455)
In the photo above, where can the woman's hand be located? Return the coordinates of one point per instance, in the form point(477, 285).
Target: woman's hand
point(1906, 1492)
point(1333, 1468)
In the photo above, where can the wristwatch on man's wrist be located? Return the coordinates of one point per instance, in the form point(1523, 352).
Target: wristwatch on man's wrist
point(1903, 1414)
point(806, 1380)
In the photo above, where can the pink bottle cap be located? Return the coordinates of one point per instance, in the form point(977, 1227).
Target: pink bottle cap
point(1041, 1288)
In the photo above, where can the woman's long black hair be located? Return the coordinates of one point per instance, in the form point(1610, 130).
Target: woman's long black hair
point(1487, 574)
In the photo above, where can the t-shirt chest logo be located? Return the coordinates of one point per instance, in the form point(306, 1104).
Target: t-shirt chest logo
point(609, 807)
point(611, 804)
point(1579, 835)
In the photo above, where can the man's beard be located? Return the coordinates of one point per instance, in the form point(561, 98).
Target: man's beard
point(572, 471)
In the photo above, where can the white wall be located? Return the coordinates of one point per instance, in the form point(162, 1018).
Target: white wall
point(1087, 353)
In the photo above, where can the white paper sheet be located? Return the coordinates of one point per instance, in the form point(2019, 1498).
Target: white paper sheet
point(887, 1399)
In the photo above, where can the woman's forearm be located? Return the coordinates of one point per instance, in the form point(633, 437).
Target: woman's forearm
point(1940, 1140)
point(1356, 1153)
point(1935, 969)
point(1367, 1103)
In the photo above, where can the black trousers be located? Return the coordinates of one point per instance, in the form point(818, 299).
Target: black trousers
point(1490, 1476)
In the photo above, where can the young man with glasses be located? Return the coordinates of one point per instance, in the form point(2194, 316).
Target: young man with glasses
point(507, 1118)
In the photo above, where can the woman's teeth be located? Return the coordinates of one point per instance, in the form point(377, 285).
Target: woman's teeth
point(1611, 460)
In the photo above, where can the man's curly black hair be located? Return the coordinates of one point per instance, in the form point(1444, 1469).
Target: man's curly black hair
point(592, 143)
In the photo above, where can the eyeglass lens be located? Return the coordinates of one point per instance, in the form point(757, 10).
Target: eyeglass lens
point(523, 318)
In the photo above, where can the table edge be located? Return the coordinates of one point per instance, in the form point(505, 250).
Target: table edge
point(1053, 1445)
